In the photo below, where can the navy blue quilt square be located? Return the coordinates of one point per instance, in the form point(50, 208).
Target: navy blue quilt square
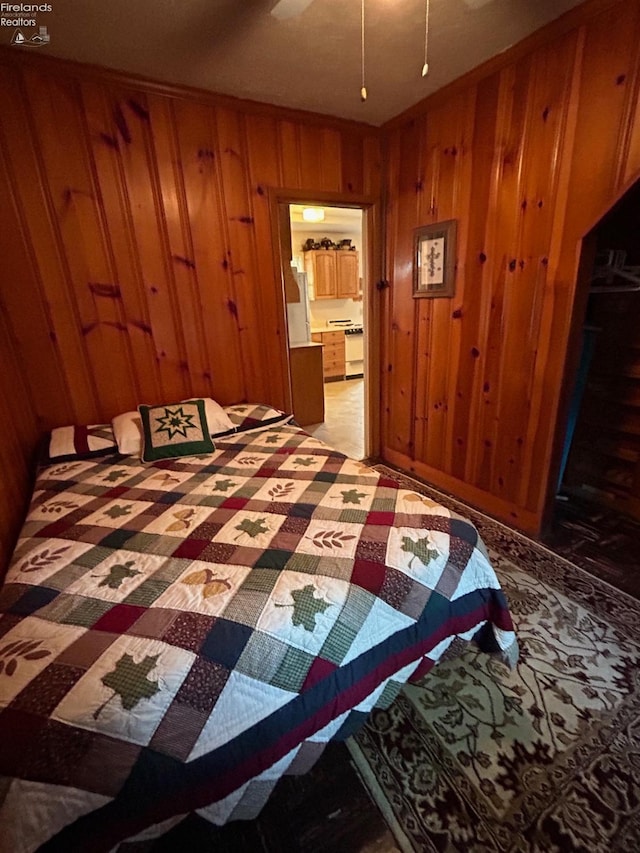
point(463, 530)
point(225, 642)
point(302, 510)
point(170, 498)
point(33, 599)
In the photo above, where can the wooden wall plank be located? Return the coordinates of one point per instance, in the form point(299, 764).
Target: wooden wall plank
point(42, 243)
point(289, 154)
point(474, 277)
point(31, 332)
point(177, 298)
point(248, 277)
point(151, 336)
point(92, 285)
point(19, 438)
point(264, 173)
point(212, 263)
point(401, 359)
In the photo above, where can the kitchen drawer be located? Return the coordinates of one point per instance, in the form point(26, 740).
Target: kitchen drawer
point(333, 338)
point(332, 352)
point(335, 363)
point(333, 368)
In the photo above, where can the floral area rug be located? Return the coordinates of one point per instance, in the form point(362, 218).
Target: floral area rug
point(542, 758)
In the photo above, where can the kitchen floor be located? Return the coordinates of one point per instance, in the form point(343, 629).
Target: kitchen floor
point(343, 426)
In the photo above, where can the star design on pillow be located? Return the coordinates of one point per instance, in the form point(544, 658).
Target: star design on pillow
point(175, 422)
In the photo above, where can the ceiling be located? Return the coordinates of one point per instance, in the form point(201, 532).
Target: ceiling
point(345, 218)
point(310, 61)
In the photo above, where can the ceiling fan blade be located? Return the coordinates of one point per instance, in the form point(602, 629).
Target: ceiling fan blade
point(289, 8)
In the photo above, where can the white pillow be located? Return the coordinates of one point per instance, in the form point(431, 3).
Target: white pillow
point(218, 420)
point(127, 427)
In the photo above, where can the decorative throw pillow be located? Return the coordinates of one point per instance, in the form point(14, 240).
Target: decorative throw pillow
point(252, 417)
point(128, 427)
point(174, 430)
point(79, 442)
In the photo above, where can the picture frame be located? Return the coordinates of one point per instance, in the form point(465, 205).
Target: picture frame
point(434, 260)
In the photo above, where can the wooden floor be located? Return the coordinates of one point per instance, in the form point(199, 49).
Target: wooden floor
point(600, 540)
point(325, 811)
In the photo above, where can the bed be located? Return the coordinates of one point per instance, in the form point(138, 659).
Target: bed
point(179, 631)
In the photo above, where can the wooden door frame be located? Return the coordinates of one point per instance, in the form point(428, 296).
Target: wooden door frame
point(586, 252)
point(372, 237)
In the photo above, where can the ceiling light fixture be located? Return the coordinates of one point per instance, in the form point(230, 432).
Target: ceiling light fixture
point(313, 214)
point(425, 67)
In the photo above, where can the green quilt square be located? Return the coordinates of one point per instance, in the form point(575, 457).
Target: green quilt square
point(88, 612)
point(350, 621)
point(260, 580)
point(147, 592)
point(261, 657)
point(293, 670)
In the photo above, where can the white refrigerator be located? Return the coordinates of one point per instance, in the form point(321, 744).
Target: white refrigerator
point(298, 314)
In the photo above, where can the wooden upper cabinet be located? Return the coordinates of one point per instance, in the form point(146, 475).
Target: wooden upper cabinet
point(333, 272)
point(347, 278)
point(324, 273)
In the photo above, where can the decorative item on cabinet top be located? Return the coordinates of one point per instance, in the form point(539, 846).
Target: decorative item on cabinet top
point(327, 243)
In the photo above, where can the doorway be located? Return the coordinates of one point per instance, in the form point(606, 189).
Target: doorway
point(328, 260)
point(596, 515)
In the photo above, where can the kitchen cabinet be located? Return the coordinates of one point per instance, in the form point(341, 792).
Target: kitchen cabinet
point(333, 272)
point(347, 275)
point(333, 359)
point(307, 383)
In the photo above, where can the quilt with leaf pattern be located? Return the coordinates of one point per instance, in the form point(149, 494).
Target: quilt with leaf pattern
point(175, 636)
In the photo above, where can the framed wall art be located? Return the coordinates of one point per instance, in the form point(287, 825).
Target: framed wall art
point(434, 259)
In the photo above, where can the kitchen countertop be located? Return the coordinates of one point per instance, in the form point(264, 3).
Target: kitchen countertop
point(305, 344)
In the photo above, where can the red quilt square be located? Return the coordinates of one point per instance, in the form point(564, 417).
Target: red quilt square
point(114, 493)
point(190, 549)
point(55, 529)
point(120, 618)
point(266, 471)
point(368, 575)
point(385, 518)
point(235, 503)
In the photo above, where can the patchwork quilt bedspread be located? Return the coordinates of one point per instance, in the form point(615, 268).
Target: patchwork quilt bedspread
point(175, 636)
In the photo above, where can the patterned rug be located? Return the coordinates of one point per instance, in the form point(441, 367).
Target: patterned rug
point(543, 758)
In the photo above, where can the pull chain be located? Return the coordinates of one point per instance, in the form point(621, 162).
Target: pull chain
point(363, 88)
point(425, 67)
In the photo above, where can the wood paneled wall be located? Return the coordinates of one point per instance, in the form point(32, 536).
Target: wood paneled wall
point(138, 262)
point(526, 153)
